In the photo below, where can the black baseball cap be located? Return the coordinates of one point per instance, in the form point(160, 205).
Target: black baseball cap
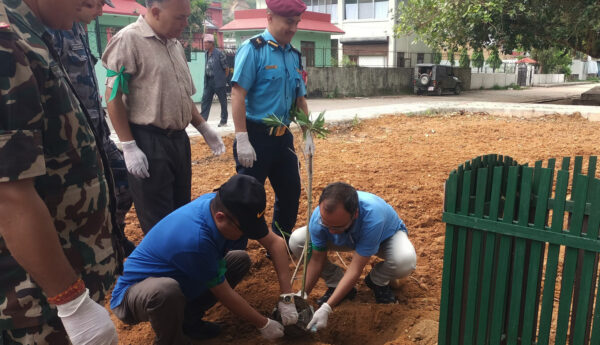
point(245, 198)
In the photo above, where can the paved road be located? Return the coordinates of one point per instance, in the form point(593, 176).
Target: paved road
point(526, 102)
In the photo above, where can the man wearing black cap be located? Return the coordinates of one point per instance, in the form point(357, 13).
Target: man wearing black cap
point(185, 264)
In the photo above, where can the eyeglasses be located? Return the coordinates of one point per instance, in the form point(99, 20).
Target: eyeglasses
point(336, 228)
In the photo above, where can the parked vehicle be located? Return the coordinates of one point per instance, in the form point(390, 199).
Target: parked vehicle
point(435, 79)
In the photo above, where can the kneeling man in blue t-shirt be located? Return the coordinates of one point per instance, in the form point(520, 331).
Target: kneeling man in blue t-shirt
point(186, 263)
point(350, 220)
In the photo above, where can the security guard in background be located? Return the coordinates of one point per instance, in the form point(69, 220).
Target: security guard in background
point(267, 80)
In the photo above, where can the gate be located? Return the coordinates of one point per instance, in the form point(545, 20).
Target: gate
point(521, 253)
point(522, 75)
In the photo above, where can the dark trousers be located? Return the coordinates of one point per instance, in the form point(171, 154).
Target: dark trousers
point(207, 98)
point(170, 169)
point(160, 301)
point(277, 160)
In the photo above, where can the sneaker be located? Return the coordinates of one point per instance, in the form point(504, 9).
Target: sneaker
point(330, 291)
point(383, 294)
point(222, 124)
point(202, 330)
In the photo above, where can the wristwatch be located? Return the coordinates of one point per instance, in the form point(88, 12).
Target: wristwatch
point(287, 298)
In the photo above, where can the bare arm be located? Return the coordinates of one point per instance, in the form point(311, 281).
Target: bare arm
point(30, 235)
point(315, 266)
point(238, 107)
point(276, 247)
point(118, 115)
point(234, 302)
point(349, 279)
point(302, 105)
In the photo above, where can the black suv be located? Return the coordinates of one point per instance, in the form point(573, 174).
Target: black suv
point(435, 79)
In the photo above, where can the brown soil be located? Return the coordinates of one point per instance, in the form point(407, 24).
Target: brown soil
point(405, 160)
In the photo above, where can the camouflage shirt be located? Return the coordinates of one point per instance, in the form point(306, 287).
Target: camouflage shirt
point(73, 48)
point(44, 135)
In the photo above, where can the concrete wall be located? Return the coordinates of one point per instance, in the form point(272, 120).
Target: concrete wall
point(548, 79)
point(358, 81)
point(488, 80)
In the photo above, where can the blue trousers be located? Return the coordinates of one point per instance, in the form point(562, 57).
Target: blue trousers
point(277, 160)
point(207, 98)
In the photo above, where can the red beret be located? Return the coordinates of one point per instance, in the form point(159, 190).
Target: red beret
point(287, 8)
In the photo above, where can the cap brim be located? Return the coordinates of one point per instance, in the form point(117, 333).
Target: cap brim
point(109, 3)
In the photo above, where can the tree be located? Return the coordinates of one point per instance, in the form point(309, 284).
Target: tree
point(539, 24)
point(451, 57)
point(464, 60)
point(478, 59)
point(494, 60)
point(553, 60)
point(436, 56)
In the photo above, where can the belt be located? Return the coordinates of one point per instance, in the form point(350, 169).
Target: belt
point(271, 131)
point(166, 132)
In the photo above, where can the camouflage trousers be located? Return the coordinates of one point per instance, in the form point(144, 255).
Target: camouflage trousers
point(50, 333)
point(119, 171)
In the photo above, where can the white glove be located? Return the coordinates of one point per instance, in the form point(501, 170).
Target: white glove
point(245, 151)
point(309, 144)
point(87, 322)
point(319, 319)
point(135, 159)
point(212, 138)
point(272, 330)
point(289, 314)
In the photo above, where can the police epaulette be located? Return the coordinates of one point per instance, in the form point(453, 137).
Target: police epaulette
point(299, 56)
point(258, 42)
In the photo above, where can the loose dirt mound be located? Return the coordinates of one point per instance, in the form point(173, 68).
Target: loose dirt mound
point(405, 160)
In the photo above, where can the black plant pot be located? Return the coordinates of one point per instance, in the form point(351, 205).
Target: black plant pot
point(305, 314)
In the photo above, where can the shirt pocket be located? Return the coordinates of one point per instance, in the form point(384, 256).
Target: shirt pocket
point(76, 55)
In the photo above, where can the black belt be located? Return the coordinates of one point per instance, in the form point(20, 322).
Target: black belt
point(276, 131)
point(166, 132)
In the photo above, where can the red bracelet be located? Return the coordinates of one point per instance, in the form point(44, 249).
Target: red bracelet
point(72, 292)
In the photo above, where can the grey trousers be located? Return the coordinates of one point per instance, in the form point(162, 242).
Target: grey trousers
point(160, 301)
point(398, 253)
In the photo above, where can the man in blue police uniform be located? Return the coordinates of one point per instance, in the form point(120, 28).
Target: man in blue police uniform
point(185, 264)
point(72, 46)
point(267, 80)
point(350, 220)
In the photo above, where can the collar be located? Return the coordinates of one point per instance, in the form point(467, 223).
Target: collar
point(147, 30)
point(25, 15)
point(272, 42)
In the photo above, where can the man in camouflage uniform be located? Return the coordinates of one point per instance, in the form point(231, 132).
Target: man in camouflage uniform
point(74, 50)
point(57, 208)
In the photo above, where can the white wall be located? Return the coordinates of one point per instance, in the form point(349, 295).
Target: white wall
point(488, 80)
point(548, 79)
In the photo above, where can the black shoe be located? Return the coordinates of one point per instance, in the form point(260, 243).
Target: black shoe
point(383, 294)
point(202, 330)
point(350, 295)
point(222, 124)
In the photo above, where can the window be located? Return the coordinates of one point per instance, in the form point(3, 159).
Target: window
point(308, 50)
point(351, 10)
point(420, 57)
point(366, 9)
point(323, 6)
point(400, 59)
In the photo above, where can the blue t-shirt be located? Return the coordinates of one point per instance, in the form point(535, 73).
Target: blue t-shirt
point(186, 246)
point(272, 77)
point(376, 222)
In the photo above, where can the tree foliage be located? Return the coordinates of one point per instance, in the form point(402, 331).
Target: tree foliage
point(539, 24)
point(494, 60)
point(478, 59)
point(552, 61)
point(464, 60)
point(451, 57)
point(436, 56)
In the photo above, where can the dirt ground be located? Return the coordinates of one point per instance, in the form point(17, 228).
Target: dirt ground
point(405, 160)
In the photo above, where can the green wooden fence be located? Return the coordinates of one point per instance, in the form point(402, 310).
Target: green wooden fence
point(521, 253)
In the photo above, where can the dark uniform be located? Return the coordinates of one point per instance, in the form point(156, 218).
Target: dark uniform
point(44, 135)
point(215, 83)
point(73, 48)
point(272, 76)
